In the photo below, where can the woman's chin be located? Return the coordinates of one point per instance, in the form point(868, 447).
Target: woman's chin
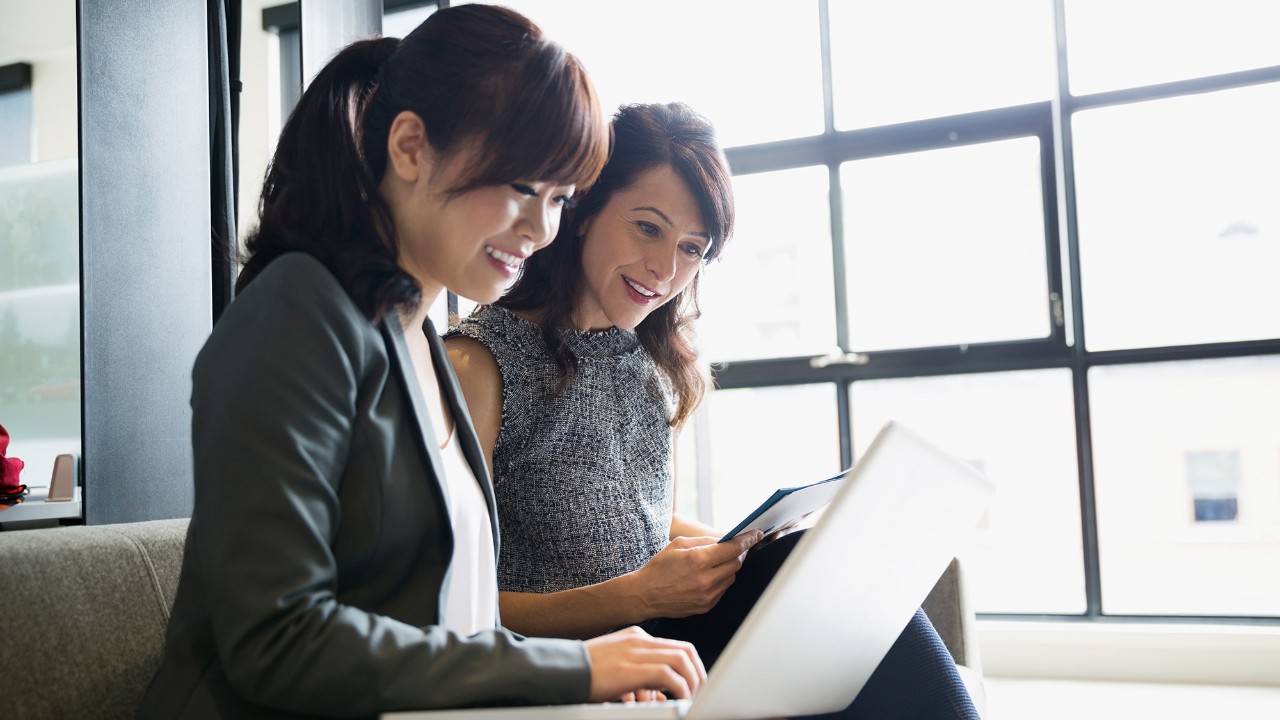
point(481, 295)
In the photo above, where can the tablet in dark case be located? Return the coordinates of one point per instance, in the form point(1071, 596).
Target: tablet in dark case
point(789, 505)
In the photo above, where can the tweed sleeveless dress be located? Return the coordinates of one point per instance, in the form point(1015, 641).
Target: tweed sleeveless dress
point(582, 479)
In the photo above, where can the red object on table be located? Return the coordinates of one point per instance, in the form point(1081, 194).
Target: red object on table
point(10, 468)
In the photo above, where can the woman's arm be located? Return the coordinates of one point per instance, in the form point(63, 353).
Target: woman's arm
point(682, 526)
point(481, 383)
point(687, 577)
point(275, 391)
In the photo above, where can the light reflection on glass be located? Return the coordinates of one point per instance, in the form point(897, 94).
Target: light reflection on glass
point(1179, 223)
point(756, 75)
point(772, 292)
point(946, 247)
point(916, 59)
point(1114, 45)
point(1017, 428)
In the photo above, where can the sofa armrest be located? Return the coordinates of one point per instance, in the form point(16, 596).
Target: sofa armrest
point(952, 616)
point(85, 610)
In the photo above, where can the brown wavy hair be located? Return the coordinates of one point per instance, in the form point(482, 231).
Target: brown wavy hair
point(472, 71)
point(551, 283)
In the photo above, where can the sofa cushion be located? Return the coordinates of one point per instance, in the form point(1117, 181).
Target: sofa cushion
point(83, 612)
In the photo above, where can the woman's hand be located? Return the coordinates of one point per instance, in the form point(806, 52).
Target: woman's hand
point(690, 574)
point(631, 663)
point(787, 529)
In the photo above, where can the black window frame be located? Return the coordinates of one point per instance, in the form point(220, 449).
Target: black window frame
point(1064, 347)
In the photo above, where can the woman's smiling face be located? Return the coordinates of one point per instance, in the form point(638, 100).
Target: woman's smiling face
point(640, 251)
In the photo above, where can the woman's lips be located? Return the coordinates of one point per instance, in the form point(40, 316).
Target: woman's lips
point(639, 293)
point(506, 263)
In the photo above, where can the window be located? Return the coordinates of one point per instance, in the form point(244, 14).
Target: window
point(1041, 233)
point(1186, 467)
point(913, 59)
point(1116, 45)
point(1178, 222)
point(753, 70)
point(1025, 557)
point(40, 327)
point(774, 258)
point(964, 229)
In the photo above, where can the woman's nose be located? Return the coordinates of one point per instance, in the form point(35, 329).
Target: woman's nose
point(539, 224)
point(662, 262)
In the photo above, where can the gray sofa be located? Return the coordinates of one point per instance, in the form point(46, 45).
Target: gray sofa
point(82, 616)
point(83, 613)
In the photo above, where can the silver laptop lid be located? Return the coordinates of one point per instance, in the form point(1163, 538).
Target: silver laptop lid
point(850, 585)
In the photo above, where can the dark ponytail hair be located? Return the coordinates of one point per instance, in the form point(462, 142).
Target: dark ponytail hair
point(644, 137)
point(473, 71)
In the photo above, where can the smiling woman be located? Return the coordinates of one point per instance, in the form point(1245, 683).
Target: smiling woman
point(643, 249)
point(576, 382)
point(341, 550)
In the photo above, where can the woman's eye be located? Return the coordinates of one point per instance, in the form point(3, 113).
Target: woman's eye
point(524, 189)
point(647, 228)
point(693, 250)
point(566, 201)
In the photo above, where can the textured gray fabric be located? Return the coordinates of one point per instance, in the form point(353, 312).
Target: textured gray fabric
point(583, 479)
point(162, 541)
point(84, 613)
point(948, 610)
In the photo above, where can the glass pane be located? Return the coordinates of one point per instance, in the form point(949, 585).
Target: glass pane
point(40, 245)
point(915, 59)
point(439, 313)
point(465, 307)
point(40, 314)
point(755, 73)
point(1178, 220)
point(1113, 45)
point(43, 35)
point(1187, 464)
point(15, 127)
point(772, 294)
point(946, 247)
point(1018, 427)
point(399, 23)
point(750, 453)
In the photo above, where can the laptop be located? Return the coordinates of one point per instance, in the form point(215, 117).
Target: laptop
point(836, 605)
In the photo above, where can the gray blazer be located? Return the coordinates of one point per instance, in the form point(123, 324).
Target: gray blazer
point(318, 553)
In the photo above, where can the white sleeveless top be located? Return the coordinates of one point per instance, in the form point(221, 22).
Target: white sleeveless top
point(472, 600)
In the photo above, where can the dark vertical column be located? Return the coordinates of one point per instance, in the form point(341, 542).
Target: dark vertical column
point(224, 122)
point(145, 218)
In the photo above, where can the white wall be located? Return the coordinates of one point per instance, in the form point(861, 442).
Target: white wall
point(43, 34)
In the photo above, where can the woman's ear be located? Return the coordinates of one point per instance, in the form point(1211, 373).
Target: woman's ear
point(409, 154)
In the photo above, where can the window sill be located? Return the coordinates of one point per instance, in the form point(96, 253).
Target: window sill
point(1139, 652)
point(35, 510)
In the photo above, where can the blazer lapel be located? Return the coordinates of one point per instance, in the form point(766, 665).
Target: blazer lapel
point(426, 436)
point(464, 431)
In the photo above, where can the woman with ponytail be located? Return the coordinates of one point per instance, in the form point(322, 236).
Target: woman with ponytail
point(341, 550)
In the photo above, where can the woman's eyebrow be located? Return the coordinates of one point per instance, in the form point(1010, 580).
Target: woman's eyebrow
point(657, 212)
point(704, 235)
